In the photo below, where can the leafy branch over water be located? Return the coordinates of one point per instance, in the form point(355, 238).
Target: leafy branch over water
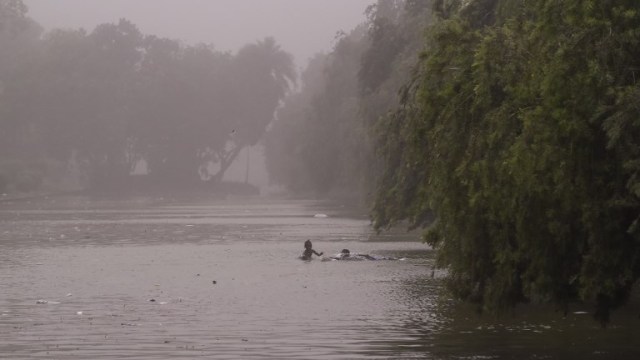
point(520, 132)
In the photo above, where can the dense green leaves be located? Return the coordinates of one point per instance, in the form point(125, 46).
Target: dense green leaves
point(520, 133)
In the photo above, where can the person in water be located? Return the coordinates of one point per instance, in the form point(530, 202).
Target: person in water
point(308, 251)
point(345, 254)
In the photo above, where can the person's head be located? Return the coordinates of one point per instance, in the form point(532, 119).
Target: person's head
point(345, 252)
point(307, 244)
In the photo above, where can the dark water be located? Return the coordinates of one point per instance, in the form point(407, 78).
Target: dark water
point(98, 264)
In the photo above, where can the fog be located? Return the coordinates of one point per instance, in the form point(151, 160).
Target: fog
point(180, 90)
point(302, 28)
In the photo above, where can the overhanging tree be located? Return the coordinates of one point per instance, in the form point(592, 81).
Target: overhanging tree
point(521, 134)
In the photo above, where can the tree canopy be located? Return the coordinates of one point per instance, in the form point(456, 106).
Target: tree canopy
point(108, 100)
point(520, 133)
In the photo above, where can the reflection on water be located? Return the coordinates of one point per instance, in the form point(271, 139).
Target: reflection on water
point(158, 279)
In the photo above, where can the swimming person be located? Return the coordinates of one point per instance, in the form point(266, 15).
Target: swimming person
point(345, 254)
point(308, 251)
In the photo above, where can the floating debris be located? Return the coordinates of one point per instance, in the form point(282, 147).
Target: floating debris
point(42, 302)
point(320, 216)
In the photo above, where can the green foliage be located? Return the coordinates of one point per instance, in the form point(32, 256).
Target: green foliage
point(520, 132)
point(387, 40)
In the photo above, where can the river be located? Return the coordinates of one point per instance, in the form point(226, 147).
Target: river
point(162, 278)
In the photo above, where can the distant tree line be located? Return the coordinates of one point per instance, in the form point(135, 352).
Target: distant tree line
point(508, 129)
point(112, 100)
point(322, 143)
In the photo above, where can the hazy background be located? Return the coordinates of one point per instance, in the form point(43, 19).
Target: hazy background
point(301, 27)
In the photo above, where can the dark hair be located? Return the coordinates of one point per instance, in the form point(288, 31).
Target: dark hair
point(307, 242)
point(345, 251)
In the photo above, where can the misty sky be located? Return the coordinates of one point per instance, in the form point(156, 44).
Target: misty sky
point(301, 27)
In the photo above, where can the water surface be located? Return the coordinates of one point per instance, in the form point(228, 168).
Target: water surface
point(167, 279)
